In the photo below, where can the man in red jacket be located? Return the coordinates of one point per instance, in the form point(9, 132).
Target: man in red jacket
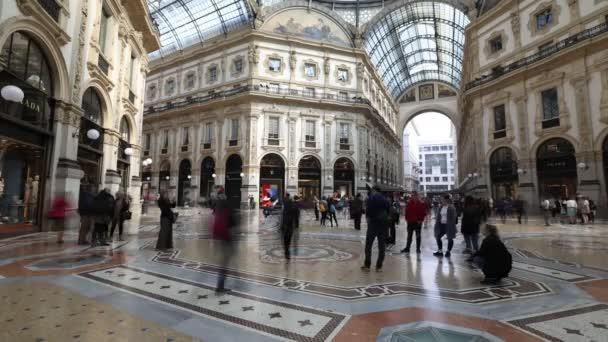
point(415, 212)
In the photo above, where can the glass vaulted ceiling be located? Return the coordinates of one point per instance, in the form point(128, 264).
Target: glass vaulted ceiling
point(182, 23)
point(417, 42)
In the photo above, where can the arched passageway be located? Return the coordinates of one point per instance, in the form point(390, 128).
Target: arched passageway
point(207, 177)
point(272, 178)
point(556, 169)
point(183, 183)
point(344, 177)
point(234, 179)
point(309, 178)
point(503, 173)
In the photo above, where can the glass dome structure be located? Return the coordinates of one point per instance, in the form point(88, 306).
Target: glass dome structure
point(418, 42)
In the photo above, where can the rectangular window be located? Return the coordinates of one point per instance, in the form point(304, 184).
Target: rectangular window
point(420, 163)
point(190, 81)
point(309, 134)
point(428, 179)
point(444, 179)
point(186, 136)
point(165, 142)
point(273, 131)
point(427, 148)
point(234, 132)
point(103, 29)
point(444, 148)
point(500, 125)
point(132, 71)
point(274, 64)
point(435, 179)
point(435, 148)
point(343, 133)
point(238, 66)
point(343, 96)
point(207, 135)
point(212, 74)
point(544, 18)
point(310, 70)
point(496, 44)
point(550, 108)
point(148, 141)
point(343, 76)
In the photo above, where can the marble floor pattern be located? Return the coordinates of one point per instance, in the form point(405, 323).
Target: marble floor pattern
point(557, 291)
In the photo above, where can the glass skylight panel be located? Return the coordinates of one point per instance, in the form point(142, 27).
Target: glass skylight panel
point(182, 23)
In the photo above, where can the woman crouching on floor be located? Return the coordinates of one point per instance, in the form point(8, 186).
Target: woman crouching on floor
point(493, 257)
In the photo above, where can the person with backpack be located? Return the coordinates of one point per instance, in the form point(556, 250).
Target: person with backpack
point(332, 212)
point(315, 202)
point(104, 211)
point(223, 229)
point(288, 224)
point(323, 210)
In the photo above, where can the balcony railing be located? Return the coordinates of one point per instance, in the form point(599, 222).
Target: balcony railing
point(500, 134)
point(256, 89)
point(233, 142)
point(310, 144)
point(550, 123)
point(206, 145)
point(544, 53)
point(103, 65)
point(51, 7)
point(272, 141)
point(185, 148)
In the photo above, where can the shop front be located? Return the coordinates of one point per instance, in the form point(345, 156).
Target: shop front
point(164, 177)
point(272, 178)
point(556, 169)
point(207, 179)
point(26, 118)
point(344, 177)
point(124, 154)
point(234, 179)
point(90, 141)
point(503, 173)
point(309, 179)
point(183, 183)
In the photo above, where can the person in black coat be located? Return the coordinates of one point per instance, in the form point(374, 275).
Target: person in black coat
point(288, 224)
point(103, 206)
point(471, 219)
point(356, 210)
point(493, 257)
point(165, 235)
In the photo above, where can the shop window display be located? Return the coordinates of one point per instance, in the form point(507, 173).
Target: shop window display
point(20, 182)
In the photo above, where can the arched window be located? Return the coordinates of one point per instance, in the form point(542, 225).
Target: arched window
point(23, 58)
point(125, 129)
point(91, 104)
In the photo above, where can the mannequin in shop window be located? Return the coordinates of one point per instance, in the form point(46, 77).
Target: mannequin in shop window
point(33, 198)
point(26, 199)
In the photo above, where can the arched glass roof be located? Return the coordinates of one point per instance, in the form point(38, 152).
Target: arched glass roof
point(182, 23)
point(417, 42)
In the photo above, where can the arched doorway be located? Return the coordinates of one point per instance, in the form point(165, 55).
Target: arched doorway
point(164, 177)
point(272, 178)
point(124, 161)
point(234, 179)
point(25, 128)
point(344, 177)
point(309, 178)
point(503, 173)
point(556, 169)
point(183, 183)
point(207, 179)
point(90, 140)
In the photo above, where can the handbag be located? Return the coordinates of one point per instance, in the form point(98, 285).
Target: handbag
point(126, 215)
point(174, 217)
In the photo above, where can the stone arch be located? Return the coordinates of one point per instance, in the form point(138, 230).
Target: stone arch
point(540, 142)
point(37, 31)
point(132, 126)
point(405, 118)
point(272, 152)
point(278, 8)
point(311, 155)
point(106, 101)
point(228, 155)
point(333, 162)
point(515, 150)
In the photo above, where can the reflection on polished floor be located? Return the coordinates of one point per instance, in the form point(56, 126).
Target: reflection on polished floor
point(558, 290)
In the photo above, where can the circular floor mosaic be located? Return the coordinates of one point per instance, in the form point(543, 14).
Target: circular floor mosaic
point(304, 253)
point(68, 262)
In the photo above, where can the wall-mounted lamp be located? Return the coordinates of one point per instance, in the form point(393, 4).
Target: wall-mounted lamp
point(128, 151)
point(92, 133)
point(167, 177)
point(242, 175)
point(12, 93)
point(521, 171)
point(582, 166)
point(213, 175)
point(189, 176)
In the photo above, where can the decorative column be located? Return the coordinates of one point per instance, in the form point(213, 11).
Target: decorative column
point(526, 188)
point(251, 168)
point(220, 164)
point(590, 166)
point(292, 166)
point(361, 157)
point(134, 190)
point(327, 176)
point(111, 178)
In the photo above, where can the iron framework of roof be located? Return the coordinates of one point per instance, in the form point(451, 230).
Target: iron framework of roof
point(417, 42)
point(183, 23)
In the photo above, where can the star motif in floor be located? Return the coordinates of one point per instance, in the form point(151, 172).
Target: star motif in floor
point(135, 278)
point(573, 332)
point(149, 282)
point(275, 315)
point(599, 325)
point(183, 291)
point(305, 323)
point(165, 287)
point(247, 308)
point(224, 302)
point(203, 297)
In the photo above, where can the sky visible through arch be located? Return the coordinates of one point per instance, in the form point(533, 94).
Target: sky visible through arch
point(433, 126)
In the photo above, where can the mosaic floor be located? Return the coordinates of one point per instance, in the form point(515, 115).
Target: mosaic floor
point(558, 289)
